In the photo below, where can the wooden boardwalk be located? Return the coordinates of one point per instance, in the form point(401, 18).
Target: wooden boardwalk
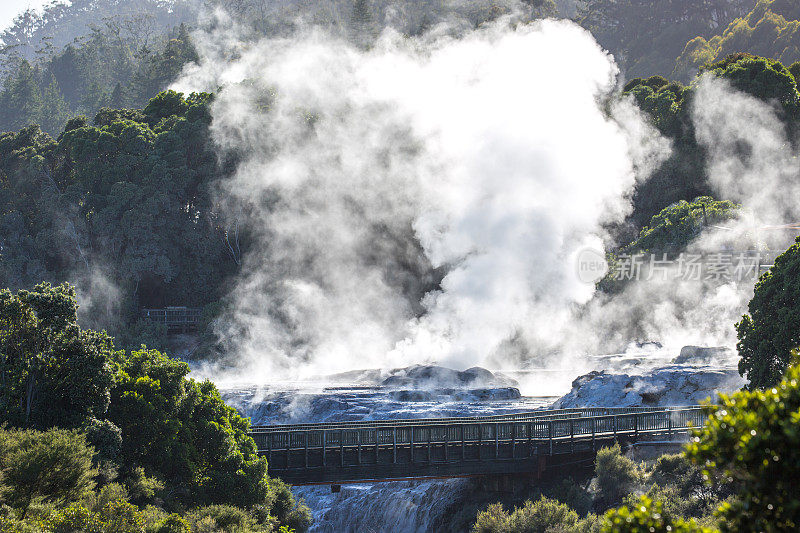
point(530, 443)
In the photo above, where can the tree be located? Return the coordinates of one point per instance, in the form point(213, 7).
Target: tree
point(647, 516)
point(53, 372)
point(184, 433)
point(54, 466)
point(769, 332)
point(752, 438)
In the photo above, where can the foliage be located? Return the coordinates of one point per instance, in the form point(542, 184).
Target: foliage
point(647, 516)
point(647, 36)
point(543, 515)
point(675, 226)
point(683, 175)
point(123, 206)
point(53, 372)
point(752, 438)
point(183, 432)
point(771, 29)
point(616, 474)
point(769, 333)
point(51, 466)
point(122, 61)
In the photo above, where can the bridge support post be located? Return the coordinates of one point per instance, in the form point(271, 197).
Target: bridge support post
point(411, 443)
point(341, 447)
point(359, 446)
point(550, 435)
point(594, 420)
point(305, 446)
point(324, 448)
point(394, 445)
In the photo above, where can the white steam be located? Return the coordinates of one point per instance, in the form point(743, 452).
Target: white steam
point(486, 161)
point(425, 199)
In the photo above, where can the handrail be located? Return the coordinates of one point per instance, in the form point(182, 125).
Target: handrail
point(523, 416)
point(473, 429)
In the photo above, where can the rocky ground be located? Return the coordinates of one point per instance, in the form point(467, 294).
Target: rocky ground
point(426, 391)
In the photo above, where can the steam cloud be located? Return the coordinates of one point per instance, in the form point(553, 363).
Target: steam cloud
point(424, 199)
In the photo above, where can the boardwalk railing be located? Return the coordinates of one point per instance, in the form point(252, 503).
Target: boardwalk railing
point(391, 449)
point(175, 318)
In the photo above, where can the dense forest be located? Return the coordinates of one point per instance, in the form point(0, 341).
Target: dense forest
point(107, 182)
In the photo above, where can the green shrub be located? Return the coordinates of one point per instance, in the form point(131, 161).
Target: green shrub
point(647, 516)
point(616, 475)
point(751, 438)
point(543, 515)
point(174, 524)
point(53, 466)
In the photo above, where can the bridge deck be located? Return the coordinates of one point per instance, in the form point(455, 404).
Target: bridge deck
point(395, 449)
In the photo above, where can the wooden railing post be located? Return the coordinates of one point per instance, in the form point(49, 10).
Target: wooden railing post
point(513, 440)
point(594, 423)
point(669, 425)
point(394, 445)
point(411, 442)
point(530, 439)
point(430, 438)
point(550, 434)
point(341, 447)
point(305, 445)
point(324, 448)
point(446, 440)
point(463, 445)
point(358, 441)
point(571, 435)
point(496, 440)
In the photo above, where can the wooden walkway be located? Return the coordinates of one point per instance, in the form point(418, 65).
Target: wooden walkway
point(175, 319)
point(531, 443)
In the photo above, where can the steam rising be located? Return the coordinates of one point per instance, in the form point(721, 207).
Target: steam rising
point(424, 199)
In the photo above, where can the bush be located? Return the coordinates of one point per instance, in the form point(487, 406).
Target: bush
point(770, 331)
point(647, 516)
point(751, 438)
point(174, 524)
point(225, 517)
point(53, 466)
point(543, 515)
point(616, 475)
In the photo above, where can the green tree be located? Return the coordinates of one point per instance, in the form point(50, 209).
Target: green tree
point(184, 433)
point(52, 466)
point(769, 332)
point(752, 438)
point(53, 372)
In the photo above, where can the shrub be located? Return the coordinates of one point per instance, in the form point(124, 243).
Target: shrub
point(543, 515)
point(647, 516)
point(616, 475)
point(751, 438)
point(51, 466)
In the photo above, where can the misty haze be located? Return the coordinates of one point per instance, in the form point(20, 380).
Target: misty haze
point(400, 266)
